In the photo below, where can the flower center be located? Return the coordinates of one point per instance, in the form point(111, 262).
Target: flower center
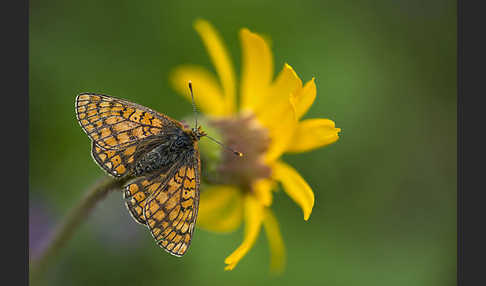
point(244, 134)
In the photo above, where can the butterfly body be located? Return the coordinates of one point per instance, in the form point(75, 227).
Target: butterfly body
point(158, 153)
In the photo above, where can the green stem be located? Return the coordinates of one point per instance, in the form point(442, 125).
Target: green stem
point(72, 222)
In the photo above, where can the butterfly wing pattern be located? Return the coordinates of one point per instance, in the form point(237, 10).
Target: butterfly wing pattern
point(132, 140)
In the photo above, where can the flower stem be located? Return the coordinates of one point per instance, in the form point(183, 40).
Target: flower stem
point(66, 229)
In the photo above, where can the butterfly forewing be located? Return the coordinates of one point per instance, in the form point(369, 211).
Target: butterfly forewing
point(171, 211)
point(114, 123)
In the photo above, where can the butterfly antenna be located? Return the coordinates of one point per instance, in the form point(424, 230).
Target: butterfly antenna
point(194, 108)
point(239, 154)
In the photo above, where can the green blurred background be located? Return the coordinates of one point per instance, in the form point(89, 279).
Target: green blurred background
point(385, 210)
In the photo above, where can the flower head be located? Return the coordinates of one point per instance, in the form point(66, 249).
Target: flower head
point(266, 124)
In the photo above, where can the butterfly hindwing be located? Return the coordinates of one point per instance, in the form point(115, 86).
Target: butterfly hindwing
point(137, 193)
point(171, 211)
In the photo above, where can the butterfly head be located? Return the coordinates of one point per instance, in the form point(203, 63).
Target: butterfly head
point(197, 133)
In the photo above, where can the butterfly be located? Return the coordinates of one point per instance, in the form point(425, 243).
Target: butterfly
point(160, 155)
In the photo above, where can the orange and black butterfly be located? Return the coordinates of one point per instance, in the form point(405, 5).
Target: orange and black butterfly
point(162, 156)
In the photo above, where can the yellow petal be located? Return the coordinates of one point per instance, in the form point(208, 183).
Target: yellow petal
point(275, 241)
point(253, 210)
point(257, 69)
point(313, 133)
point(207, 92)
point(221, 61)
point(263, 191)
point(295, 186)
point(284, 86)
point(220, 209)
point(304, 98)
point(281, 123)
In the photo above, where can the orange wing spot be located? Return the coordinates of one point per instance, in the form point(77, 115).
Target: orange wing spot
point(145, 183)
point(84, 122)
point(128, 112)
point(187, 238)
point(138, 132)
point(130, 150)
point(159, 215)
point(130, 160)
point(190, 184)
point(105, 104)
point(83, 97)
point(99, 124)
point(156, 122)
point(156, 231)
point(165, 224)
point(183, 249)
point(154, 130)
point(151, 222)
point(89, 127)
point(116, 160)
point(170, 246)
point(123, 137)
point(111, 141)
point(176, 248)
point(120, 169)
point(82, 115)
point(110, 153)
point(136, 116)
point(139, 196)
point(133, 188)
point(189, 194)
point(173, 186)
point(161, 198)
point(102, 157)
point(154, 187)
point(92, 112)
point(92, 106)
point(109, 165)
point(94, 135)
point(139, 210)
point(117, 108)
point(173, 201)
point(184, 227)
point(178, 238)
point(81, 108)
point(171, 236)
point(186, 204)
point(113, 120)
point(95, 98)
point(164, 243)
point(105, 132)
point(103, 110)
point(190, 173)
point(153, 207)
point(94, 118)
point(146, 119)
point(174, 213)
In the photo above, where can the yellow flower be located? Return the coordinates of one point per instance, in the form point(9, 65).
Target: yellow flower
point(266, 125)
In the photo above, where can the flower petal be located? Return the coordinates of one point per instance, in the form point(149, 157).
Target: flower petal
point(221, 61)
point(313, 133)
point(304, 98)
point(275, 241)
point(281, 123)
point(220, 209)
point(263, 191)
point(295, 186)
point(257, 69)
point(208, 93)
point(284, 86)
point(253, 210)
